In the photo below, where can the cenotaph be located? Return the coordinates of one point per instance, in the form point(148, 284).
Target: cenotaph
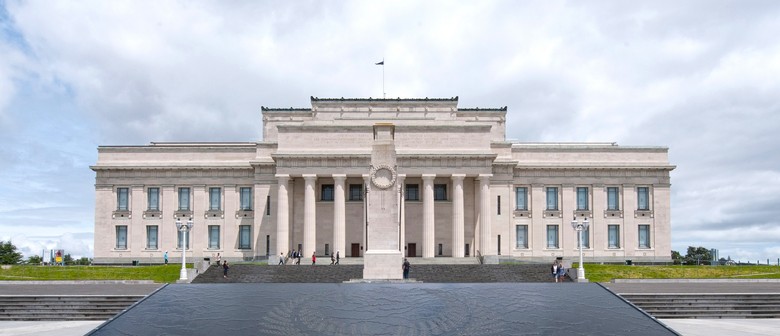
point(383, 258)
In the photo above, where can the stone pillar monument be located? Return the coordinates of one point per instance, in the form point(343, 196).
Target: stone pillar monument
point(383, 258)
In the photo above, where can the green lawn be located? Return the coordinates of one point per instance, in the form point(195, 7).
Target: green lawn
point(161, 273)
point(605, 273)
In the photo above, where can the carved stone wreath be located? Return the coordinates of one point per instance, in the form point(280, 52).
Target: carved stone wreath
point(382, 176)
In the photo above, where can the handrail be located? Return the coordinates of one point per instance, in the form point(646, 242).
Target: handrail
point(480, 258)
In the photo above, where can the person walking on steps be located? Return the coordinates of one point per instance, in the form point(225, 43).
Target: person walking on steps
point(561, 272)
point(165, 257)
point(313, 258)
point(337, 257)
point(554, 270)
point(332, 259)
point(281, 258)
point(225, 269)
point(406, 267)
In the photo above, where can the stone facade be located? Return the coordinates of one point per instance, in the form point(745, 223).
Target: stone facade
point(467, 190)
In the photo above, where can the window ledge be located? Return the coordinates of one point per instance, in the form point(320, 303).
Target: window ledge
point(583, 213)
point(213, 214)
point(522, 213)
point(553, 213)
point(182, 214)
point(643, 213)
point(613, 213)
point(245, 214)
point(121, 214)
point(152, 214)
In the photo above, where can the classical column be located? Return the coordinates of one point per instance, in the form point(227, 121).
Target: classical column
point(458, 245)
point(484, 214)
point(309, 216)
point(402, 212)
point(428, 219)
point(282, 215)
point(339, 217)
point(366, 204)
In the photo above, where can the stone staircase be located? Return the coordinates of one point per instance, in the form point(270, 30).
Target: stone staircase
point(63, 307)
point(707, 306)
point(459, 273)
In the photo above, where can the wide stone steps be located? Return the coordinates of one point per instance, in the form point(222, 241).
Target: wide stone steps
point(63, 307)
point(460, 273)
point(713, 306)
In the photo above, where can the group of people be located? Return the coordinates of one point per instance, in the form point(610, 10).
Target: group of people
point(558, 271)
point(296, 255)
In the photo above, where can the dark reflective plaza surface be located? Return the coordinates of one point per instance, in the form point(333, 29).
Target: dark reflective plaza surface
point(383, 309)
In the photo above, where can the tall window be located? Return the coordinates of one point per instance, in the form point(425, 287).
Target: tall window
point(613, 236)
point(522, 236)
point(121, 237)
point(521, 198)
point(179, 239)
point(644, 236)
point(215, 198)
point(153, 199)
point(122, 199)
point(327, 192)
point(151, 237)
point(246, 198)
point(184, 199)
point(552, 198)
point(439, 192)
point(552, 236)
point(355, 192)
point(585, 238)
point(612, 198)
point(268, 205)
point(214, 237)
point(643, 198)
point(582, 198)
point(244, 237)
point(412, 192)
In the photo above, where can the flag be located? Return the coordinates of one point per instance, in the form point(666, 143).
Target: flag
point(380, 63)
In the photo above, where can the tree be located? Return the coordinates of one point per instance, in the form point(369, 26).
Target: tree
point(698, 256)
point(8, 253)
point(83, 261)
point(34, 260)
point(67, 259)
point(676, 257)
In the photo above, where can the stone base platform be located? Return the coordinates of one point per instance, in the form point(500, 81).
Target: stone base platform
point(383, 309)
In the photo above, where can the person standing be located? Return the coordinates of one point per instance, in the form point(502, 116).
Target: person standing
point(225, 269)
point(554, 270)
point(406, 267)
point(165, 257)
point(281, 258)
point(337, 257)
point(332, 259)
point(313, 258)
point(561, 271)
point(219, 259)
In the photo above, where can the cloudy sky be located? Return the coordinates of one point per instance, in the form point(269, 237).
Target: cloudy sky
point(700, 77)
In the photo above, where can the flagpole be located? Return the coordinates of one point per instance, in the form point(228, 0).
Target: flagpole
point(384, 94)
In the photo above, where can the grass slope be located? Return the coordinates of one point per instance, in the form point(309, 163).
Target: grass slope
point(605, 273)
point(161, 273)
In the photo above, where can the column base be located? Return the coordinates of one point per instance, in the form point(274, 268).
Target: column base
point(382, 265)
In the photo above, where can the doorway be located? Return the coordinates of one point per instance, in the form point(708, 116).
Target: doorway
point(411, 251)
point(355, 250)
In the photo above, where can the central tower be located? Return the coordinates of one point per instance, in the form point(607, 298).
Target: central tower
point(383, 257)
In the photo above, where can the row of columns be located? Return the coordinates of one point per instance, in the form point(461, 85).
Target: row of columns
point(339, 217)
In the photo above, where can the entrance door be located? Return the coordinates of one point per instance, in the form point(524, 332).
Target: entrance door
point(411, 251)
point(355, 250)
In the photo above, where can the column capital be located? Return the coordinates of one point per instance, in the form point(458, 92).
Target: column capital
point(485, 177)
point(282, 177)
point(428, 177)
point(458, 177)
point(309, 177)
point(339, 177)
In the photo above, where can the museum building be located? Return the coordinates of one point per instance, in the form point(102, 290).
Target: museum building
point(463, 190)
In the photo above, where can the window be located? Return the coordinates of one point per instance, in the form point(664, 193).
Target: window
point(585, 238)
point(468, 250)
point(644, 236)
point(151, 237)
point(184, 200)
point(582, 198)
point(552, 236)
point(179, 239)
point(521, 240)
point(614, 236)
point(246, 198)
point(244, 237)
point(215, 199)
point(439, 192)
point(412, 192)
point(498, 245)
point(268, 205)
point(121, 237)
point(441, 248)
point(612, 198)
point(498, 205)
point(521, 198)
point(214, 237)
point(122, 199)
point(552, 198)
point(153, 199)
point(643, 198)
point(327, 249)
point(327, 192)
point(355, 192)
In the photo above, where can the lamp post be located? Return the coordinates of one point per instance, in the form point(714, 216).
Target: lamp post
point(579, 227)
point(183, 228)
